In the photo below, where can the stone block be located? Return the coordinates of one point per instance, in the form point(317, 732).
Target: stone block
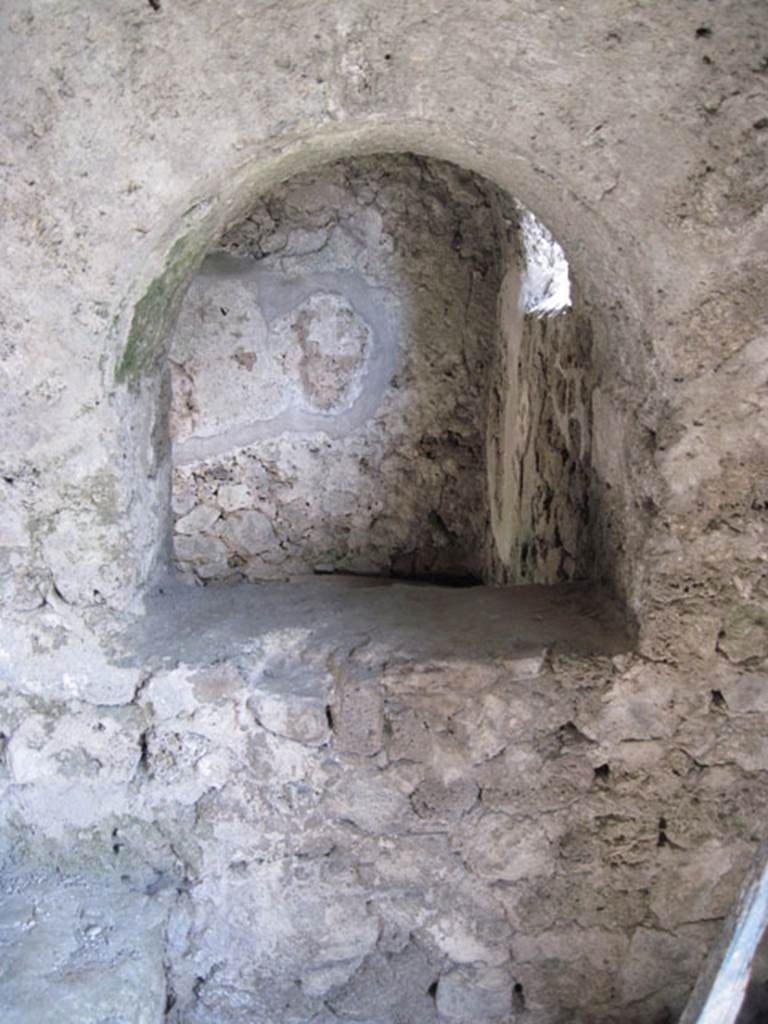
point(199, 519)
point(483, 727)
point(76, 742)
point(744, 635)
point(501, 848)
point(392, 989)
point(434, 799)
point(296, 717)
point(200, 549)
point(248, 532)
point(369, 800)
point(79, 952)
point(233, 497)
point(475, 995)
point(358, 717)
point(408, 735)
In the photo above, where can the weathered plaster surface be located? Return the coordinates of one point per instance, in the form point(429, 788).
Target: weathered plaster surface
point(133, 137)
point(331, 378)
point(99, 947)
point(395, 803)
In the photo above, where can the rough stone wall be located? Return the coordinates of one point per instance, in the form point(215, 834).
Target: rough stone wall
point(133, 136)
point(331, 378)
point(539, 439)
point(399, 815)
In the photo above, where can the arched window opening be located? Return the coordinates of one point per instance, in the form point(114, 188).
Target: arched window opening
point(546, 288)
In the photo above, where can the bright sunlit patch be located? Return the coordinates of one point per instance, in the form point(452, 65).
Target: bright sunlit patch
point(546, 286)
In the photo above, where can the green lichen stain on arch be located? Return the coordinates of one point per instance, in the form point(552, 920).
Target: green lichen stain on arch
point(155, 311)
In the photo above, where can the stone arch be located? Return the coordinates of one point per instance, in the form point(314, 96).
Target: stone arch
point(613, 298)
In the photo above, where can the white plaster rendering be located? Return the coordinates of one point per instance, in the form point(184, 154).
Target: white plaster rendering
point(257, 383)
